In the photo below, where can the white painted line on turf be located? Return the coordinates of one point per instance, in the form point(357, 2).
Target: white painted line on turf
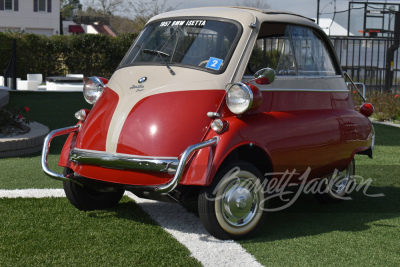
point(32, 193)
point(189, 231)
point(173, 218)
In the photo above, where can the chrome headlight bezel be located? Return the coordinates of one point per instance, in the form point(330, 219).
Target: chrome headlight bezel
point(92, 89)
point(239, 98)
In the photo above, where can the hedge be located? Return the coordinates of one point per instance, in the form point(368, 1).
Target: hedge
point(89, 54)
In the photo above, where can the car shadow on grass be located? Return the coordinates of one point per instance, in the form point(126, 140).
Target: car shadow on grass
point(305, 217)
point(127, 209)
point(308, 217)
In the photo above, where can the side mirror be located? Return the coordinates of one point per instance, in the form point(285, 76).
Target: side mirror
point(265, 76)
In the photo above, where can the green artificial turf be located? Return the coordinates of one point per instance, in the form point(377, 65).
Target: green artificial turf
point(50, 232)
point(55, 110)
point(362, 232)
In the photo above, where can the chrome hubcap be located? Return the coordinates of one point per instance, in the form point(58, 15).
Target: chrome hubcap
point(340, 181)
point(240, 202)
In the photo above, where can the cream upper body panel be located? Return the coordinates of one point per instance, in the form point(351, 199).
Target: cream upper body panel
point(125, 81)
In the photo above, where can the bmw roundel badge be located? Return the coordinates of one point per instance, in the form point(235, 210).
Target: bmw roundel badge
point(142, 80)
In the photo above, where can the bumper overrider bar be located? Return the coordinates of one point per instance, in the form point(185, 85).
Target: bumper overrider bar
point(123, 161)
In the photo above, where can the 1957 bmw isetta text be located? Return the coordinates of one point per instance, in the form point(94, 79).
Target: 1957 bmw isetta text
point(206, 105)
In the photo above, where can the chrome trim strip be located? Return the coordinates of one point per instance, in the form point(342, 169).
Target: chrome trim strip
point(46, 149)
point(299, 77)
point(354, 86)
point(363, 86)
point(373, 138)
point(307, 90)
point(80, 150)
point(123, 161)
point(163, 189)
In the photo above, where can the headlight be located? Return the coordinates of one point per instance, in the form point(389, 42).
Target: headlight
point(239, 98)
point(92, 89)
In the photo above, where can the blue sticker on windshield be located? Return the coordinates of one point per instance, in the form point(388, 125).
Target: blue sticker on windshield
point(214, 63)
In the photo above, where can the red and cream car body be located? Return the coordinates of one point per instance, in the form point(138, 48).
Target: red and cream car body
point(205, 91)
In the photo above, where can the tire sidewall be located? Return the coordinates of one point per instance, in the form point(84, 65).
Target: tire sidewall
point(214, 195)
point(86, 198)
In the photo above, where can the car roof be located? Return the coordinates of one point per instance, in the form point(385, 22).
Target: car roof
point(240, 14)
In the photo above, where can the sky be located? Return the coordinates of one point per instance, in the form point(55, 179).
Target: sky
point(306, 8)
point(303, 7)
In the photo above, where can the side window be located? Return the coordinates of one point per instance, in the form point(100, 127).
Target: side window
point(291, 50)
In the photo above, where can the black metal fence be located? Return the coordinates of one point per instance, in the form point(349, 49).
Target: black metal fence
point(366, 61)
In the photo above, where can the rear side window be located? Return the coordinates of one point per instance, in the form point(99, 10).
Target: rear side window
point(291, 50)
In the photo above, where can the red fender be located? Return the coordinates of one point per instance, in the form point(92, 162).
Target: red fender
point(204, 165)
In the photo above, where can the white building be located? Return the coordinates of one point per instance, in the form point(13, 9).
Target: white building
point(70, 27)
point(332, 28)
point(31, 16)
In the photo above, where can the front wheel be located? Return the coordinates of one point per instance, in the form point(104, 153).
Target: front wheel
point(336, 187)
point(88, 198)
point(233, 206)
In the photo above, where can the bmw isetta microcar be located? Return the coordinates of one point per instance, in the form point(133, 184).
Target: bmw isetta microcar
point(206, 105)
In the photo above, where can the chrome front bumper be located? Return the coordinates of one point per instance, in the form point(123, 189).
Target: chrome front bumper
point(124, 161)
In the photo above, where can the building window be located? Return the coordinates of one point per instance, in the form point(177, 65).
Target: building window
point(42, 5)
point(8, 5)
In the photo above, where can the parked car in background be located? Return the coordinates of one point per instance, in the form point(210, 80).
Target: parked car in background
point(208, 104)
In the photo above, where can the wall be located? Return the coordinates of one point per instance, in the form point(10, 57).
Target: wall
point(25, 19)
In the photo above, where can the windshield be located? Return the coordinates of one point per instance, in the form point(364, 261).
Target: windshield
point(205, 44)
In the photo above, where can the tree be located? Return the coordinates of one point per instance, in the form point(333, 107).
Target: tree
point(107, 7)
point(68, 8)
point(260, 4)
point(146, 9)
point(119, 24)
point(113, 9)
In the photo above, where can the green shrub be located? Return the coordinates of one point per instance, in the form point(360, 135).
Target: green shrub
point(89, 54)
point(386, 106)
point(12, 118)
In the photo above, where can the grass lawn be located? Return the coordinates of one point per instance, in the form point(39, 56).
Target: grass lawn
point(55, 110)
point(364, 231)
point(49, 231)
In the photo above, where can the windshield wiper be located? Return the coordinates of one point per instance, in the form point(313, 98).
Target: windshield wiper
point(160, 54)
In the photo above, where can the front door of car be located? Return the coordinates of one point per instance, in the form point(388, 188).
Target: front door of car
point(306, 132)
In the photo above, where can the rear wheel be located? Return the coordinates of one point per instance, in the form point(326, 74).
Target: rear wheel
point(233, 206)
point(336, 187)
point(88, 198)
